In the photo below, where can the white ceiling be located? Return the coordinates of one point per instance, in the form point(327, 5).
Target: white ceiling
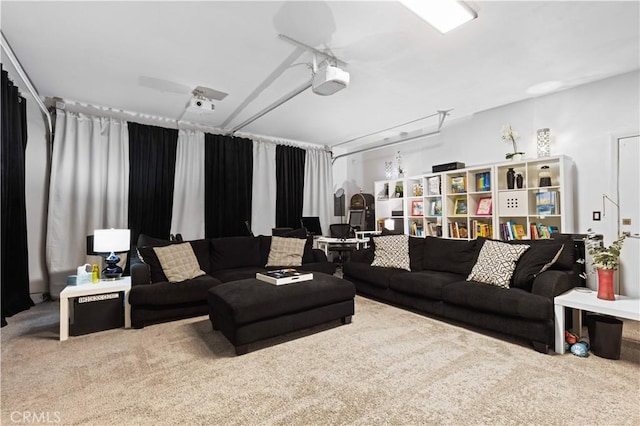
point(401, 68)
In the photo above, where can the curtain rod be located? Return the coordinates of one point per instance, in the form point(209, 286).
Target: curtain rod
point(77, 107)
point(6, 47)
point(373, 148)
point(442, 115)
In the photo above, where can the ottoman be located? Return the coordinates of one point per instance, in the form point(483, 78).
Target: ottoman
point(251, 310)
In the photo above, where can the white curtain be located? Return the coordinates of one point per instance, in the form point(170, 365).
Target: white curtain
point(263, 197)
point(318, 187)
point(89, 187)
point(188, 193)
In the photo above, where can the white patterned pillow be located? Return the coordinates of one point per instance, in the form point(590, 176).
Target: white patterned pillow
point(286, 251)
point(496, 263)
point(391, 251)
point(178, 262)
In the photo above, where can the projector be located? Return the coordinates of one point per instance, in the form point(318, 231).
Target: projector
point(328, 80)
point(201, 105)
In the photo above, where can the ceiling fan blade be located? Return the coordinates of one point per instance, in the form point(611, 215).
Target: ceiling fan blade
point(163, 85)
point(209, 93)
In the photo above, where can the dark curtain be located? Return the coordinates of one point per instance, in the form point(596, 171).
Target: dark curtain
point(290, 185)
point(15, 256)
point(228, 185)
point(152, 167)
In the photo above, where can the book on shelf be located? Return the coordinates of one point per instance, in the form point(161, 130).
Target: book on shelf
point(483, 181)
point(458, 230)
point(518, 232)
point(546, 202)
point(460, 206)
point(511, 230)
point(435, 207)
point(433, 185)
point(458, 185)
point(480, 229)
point(283, 276)
point(484, 207)
point(540, 231)
point(417, 229)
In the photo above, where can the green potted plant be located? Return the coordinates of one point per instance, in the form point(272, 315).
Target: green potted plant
point(605, 261)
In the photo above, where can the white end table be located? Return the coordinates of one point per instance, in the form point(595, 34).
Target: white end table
point(623, 307)
point(102, 287)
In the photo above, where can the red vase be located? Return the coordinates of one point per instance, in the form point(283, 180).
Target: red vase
point(605, 284)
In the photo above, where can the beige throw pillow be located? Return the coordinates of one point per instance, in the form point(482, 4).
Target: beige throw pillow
point(286, 251)
point(178, 262)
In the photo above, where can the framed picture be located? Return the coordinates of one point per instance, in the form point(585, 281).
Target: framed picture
point(484, 206)
point(435, 207)
point(460, 206)
point(417, 208)
point(458, 185)
point(433, 185)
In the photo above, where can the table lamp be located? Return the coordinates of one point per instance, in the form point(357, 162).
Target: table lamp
point(111, 241)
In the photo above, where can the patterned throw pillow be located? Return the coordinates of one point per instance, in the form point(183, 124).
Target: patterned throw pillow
point(178, 262)
point(286, 251)
point(391, 251)
point(496, 263)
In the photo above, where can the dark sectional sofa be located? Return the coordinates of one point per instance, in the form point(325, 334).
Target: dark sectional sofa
point(154, 299)
point(436, 285)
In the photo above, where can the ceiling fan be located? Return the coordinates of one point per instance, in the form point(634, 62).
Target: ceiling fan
point(173, 87)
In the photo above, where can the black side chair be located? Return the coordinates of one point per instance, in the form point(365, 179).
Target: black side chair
point(341, 231)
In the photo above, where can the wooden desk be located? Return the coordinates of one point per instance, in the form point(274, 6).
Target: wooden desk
point(324, 242)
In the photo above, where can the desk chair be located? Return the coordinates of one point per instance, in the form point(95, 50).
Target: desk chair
point(279, 232)
point(342, 231)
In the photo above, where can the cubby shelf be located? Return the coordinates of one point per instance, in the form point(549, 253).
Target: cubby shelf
point(478, 201)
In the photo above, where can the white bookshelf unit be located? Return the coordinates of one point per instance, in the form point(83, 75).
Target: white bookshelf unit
point(476, 201)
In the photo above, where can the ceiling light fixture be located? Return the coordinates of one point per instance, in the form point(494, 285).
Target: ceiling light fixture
point(444, 15)
point(545, 87)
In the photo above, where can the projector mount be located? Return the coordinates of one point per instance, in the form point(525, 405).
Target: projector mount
point(327, 77)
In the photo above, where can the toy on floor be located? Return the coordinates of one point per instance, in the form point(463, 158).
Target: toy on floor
point(573, 343)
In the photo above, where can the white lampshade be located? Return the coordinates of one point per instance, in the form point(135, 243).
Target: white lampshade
point(111, 240)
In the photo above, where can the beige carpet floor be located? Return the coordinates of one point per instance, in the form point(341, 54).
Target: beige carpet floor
point(389, 366)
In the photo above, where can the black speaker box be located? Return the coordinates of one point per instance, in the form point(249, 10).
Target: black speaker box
point(447, 166)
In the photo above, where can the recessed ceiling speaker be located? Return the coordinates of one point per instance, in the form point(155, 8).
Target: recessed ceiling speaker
point(329, 80)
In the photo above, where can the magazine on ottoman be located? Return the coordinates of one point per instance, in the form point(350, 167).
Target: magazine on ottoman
point(284, 276)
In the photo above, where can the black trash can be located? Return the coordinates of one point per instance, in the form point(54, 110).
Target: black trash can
point(605, 336)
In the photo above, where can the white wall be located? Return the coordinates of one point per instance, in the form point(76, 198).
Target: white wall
point(581, 119)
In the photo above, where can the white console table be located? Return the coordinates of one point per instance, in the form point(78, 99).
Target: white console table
point(623, 307)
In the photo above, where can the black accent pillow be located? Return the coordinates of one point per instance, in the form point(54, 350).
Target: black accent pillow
point(234, 252)
point(416, 253)
point(542, 254)
point(457, 256)
point(145, 247)
point(567, 259)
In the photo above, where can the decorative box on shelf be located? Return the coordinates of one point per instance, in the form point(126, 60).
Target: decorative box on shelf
point(513, 203)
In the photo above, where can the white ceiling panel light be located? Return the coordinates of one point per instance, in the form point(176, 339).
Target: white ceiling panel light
point(444, 15)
